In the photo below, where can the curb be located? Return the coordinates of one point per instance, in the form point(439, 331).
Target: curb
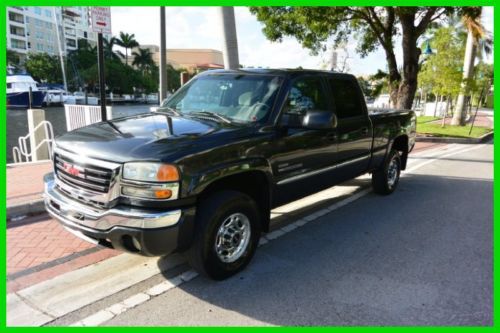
point(32, 207)
point(482, 139)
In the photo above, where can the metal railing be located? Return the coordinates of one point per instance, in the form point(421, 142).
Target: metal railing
point(21, 152)
point(82, 115)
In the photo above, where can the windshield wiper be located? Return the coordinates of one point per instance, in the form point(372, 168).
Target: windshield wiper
point(211, 114)
point(170, 110)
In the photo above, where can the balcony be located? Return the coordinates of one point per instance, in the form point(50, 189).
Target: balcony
point(13, 17)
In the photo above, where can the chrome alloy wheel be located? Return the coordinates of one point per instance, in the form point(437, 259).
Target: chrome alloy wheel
point(233, 237)
point(392, 173)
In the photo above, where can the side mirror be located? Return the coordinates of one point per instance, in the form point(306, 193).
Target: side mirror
point(319, 120)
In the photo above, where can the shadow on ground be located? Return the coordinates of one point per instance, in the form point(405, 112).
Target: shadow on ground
point(422, 256)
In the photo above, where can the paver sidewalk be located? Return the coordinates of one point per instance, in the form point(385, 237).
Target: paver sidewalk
point(25, 187)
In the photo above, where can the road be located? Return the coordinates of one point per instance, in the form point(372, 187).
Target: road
point(422, 256)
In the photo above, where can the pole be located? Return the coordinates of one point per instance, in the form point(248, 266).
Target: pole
point(230, 44)
point(100, 68)
point(30, 98)
point(60, 48)
point(477, 108)
point(163, 56)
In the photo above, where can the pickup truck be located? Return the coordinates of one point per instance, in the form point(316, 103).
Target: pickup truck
point(201, 174)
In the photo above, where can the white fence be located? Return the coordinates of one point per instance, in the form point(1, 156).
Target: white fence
point(21, 153)
point(82, 115)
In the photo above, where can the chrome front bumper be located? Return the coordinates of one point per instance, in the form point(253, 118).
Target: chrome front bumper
point(74, 214)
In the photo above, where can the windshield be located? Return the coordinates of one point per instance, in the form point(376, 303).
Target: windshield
point(235, 97)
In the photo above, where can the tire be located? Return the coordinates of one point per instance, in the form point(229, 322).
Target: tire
point(233, 209)
point(386, 178)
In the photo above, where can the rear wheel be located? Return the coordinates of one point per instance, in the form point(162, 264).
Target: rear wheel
point(386, 178)
point(227, 234)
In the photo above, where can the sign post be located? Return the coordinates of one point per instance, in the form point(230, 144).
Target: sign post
point(101, 23)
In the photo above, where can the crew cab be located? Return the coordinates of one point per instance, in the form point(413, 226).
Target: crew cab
point(201, 174)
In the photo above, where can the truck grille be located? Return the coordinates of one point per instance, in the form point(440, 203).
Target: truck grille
point(84, 176)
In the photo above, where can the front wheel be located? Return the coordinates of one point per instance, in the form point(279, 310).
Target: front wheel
point(227, 234)
point(386, 178)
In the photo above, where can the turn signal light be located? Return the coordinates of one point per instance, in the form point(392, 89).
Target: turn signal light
point(163, 194)
point(167, 173)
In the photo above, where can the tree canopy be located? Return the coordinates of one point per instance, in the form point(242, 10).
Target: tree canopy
point(372, 27)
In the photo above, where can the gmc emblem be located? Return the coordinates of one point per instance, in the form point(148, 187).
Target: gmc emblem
point(71, 169)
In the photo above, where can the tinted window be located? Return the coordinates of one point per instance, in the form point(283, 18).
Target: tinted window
point(243, 98)
point(306, 94)
point(346, 98)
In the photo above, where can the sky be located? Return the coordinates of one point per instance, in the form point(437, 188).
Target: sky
point(199, 27)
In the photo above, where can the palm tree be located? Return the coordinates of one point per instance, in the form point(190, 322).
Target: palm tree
point(143, 59)
point(230, 53)
point(108, 51)
point(127, 41)
point(477, 40)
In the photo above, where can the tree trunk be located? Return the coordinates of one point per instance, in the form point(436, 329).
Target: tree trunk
point(411, 53)
point(460, 107)
point(436, 105)
point(230, 46)
point(394, 77)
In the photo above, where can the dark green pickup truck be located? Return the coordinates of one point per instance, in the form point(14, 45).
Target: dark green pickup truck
point(201, 174)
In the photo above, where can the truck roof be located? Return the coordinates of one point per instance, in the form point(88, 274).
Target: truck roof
point(290, 72)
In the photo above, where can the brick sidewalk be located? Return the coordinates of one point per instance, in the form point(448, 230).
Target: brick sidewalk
point(25, 182)
point(39, 248)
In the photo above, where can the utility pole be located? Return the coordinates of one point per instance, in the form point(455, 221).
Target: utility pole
point(163, 56)
point(230, 46)
point(102, 82)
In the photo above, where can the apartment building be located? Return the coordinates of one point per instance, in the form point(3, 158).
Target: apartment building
point(34, 29)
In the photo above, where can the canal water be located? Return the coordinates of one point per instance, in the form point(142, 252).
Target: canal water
point(17, 122)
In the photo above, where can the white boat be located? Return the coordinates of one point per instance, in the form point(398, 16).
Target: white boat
point(18, 87)
point(78, 98)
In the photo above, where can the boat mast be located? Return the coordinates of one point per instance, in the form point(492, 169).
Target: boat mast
point(61, 51)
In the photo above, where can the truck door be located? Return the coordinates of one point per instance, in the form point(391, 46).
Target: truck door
point(300, 154)
point(354, 127)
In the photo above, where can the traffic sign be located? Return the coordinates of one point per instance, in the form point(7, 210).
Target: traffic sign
point(101, 19)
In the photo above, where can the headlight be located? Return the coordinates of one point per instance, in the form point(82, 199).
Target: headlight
point(150, 172)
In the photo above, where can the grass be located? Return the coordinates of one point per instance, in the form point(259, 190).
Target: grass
point(435, 129)
point(426, 119)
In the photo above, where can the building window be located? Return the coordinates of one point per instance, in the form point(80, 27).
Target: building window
point(48, 13)
point(29, 45)
point(38, 10)
point(17, 44)
point(85, 35)
point(27, 19)
point(39, 47)
point(16, 17)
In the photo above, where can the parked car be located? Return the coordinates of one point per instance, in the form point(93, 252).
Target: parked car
point(201, 174)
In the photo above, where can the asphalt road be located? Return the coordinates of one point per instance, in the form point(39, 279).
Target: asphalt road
point(422, 256)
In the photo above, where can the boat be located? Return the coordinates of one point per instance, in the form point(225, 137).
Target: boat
point(54, 93)
point(78, 98)
point(18, 87)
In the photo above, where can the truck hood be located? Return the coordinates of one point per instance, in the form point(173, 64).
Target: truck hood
point(152, 137)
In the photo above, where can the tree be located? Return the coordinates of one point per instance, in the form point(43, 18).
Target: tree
point(44, 67)
point(475, 34)
point(372, 26)
point(231, 59)
point(143, 59)
point(127, 41)
point(13, 59)
point(108, 51)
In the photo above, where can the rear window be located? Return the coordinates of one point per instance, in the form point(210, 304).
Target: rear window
point(346, 98)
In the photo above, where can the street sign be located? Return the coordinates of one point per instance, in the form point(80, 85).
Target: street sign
point(101, 19)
